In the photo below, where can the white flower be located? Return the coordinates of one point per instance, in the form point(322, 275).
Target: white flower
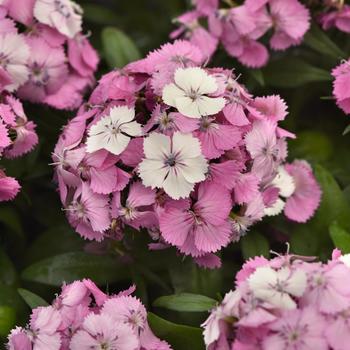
point(174, 164)
point(228, 309)
point(188, 93)
point(64, 15)
point(345, 259)
point(286, 185)
point(14, 54)
point(277, 287)
point(284, 182)
point(113, 132)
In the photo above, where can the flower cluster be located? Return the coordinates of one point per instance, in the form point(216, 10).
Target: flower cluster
point(240, 28)
point(17, 137)
point(289, 302)
point(82, 317)
point(341, 85)
point(43, 53)
point(335, 14)
point(182, 151)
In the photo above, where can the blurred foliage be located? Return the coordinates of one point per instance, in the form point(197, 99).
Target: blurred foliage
point(38, 250)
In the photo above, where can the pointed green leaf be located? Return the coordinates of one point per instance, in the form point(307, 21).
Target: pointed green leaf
point(68, 267)
point(186, 302)
point(317, 39)
point(118, 48)
point(292, 72)
point(31, 299)
point(180, 337)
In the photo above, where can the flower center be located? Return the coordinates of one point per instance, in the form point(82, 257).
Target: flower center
point(170, 161)
point(39, 76)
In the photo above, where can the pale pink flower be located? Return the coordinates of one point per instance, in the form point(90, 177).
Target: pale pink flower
point(205, 223)
point(19, 340)
point(88, 213)
point(101, 332)
point(44, 324)
point(14, 53)
point(297, 330)
point(47, 71)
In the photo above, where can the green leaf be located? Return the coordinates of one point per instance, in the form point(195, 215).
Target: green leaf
point(346, 130)
point(8, 274)
point(304, 241)
point(340, 237)
point(334, 206)
point(68, 267)
point(118, 48)
point(317, 39)
point(257, 74)
point(57, 240)
point(31, 299)
point(293, 72)
point(254, 244)
point(7, 320)
point(180, 337)
point(312, 145)
point(186, 302)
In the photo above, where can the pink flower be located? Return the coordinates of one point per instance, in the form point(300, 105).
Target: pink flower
point(88, 213)
point(216, 138)
point(82, 56)
point(47, 71)
point(26, 137)
point(341, 86)
point(205, 222)
point(63, 15)
point(99, 331)
point(44, 324)
point(262, 144)
point(339, 18)
point(19, 340)
point(338, 331)
point(297, 330)
point(9, 187)
point(126, 310)
point(137, 211)
point(327, 290)
point(291, 21)
point(15, 53)
point(304, 201)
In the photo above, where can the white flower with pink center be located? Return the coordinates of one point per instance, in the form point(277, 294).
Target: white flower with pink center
point(113, 132)
point(189, 93)
point(278, 287)
point(64, 15)
point(173, 163)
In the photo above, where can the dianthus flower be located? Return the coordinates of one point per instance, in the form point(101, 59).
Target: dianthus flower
point(335, 14)
point(83, 317)
point(240, 27)
point(341, 85)
point(17, 137)
point(48, 60)
point(187, 155)
point(287, 303)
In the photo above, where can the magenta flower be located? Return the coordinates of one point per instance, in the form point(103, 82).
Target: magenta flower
point(9, 187)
